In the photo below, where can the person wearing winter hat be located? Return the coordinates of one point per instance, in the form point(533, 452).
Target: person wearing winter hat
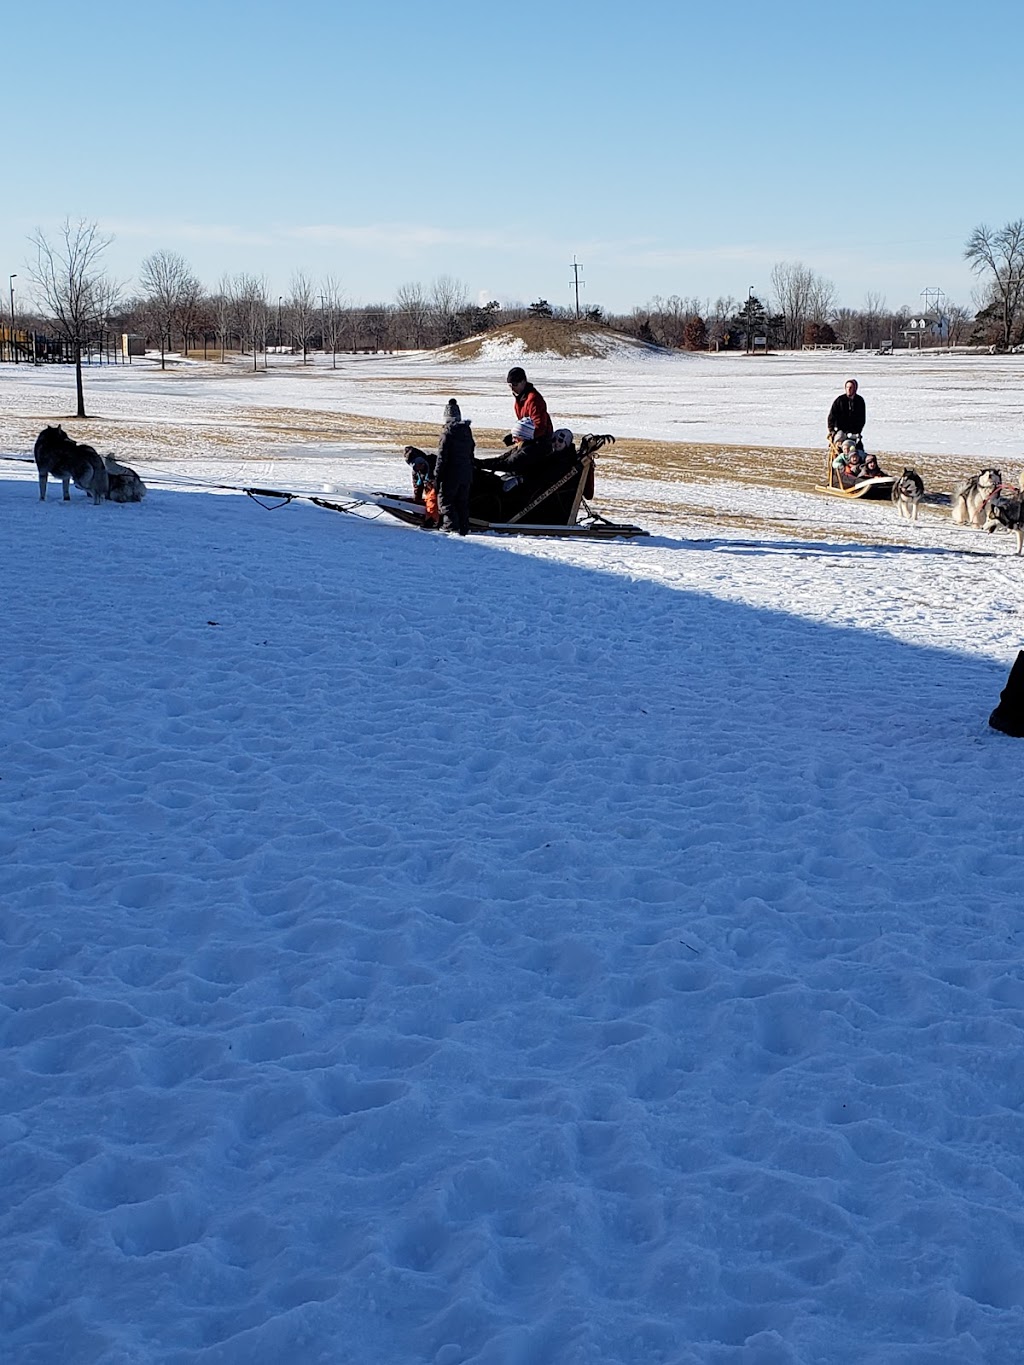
point(421, 466)
point(529, 403)
point(453, 472)
point(523, 459)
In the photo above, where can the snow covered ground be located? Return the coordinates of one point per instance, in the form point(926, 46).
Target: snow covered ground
point(424, 950)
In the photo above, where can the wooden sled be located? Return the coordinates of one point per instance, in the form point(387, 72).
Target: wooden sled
point(552, 506)
point(877, 488)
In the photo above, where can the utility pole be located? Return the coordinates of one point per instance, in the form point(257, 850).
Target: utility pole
point(575, 284)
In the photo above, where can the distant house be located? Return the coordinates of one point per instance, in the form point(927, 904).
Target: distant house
point(926, 329)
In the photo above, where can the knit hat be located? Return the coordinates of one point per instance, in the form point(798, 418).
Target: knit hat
point(562, 439)
point(451, 412)
point(516, 375)
point(523, 429)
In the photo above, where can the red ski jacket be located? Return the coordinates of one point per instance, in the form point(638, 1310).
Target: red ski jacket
point(531, 404)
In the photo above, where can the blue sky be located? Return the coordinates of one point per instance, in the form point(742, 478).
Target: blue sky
point(673, 148)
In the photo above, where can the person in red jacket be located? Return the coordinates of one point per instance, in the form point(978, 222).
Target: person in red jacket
point(529, 403)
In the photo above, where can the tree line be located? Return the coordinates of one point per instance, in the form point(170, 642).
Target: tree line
point(172, 311)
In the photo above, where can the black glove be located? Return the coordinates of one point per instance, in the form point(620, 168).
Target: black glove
point(507, 440)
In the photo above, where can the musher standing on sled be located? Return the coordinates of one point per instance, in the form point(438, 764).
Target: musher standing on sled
point(529, 403)
point(847, 414)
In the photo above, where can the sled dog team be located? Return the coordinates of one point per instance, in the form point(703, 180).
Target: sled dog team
point(982, 501)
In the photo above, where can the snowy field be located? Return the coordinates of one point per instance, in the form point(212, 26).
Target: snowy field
point(508, 953)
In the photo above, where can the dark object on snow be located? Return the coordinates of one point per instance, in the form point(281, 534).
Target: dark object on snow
point(1009, 714)
point(58, 454)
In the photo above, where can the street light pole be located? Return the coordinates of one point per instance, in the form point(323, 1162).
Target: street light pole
point(279, 298)
point(750, 319)
point(12, 278)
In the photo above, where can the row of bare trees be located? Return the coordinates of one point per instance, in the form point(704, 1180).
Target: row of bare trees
point(78, 299)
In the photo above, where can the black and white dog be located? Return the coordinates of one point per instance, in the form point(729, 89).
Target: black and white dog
point(57, 454)
point(1006, 508)
point(907, 492)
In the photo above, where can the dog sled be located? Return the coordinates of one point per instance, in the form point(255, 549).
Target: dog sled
point(549, 503)
point(838, 485)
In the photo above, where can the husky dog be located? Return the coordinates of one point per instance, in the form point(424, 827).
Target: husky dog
point(1006, 508)
point(124, 485)
point(968, 499)
point(907, 493)
point(57, 454)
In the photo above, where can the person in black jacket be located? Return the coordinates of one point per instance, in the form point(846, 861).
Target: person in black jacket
point(848, 413)
point(453, 472)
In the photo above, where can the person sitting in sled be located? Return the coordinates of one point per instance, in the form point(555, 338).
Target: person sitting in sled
point(847, 463)
point(529, 403)
point(523, 458)
point(563, 442)
point(871, 469)
point(421, 466)
point(453, 472)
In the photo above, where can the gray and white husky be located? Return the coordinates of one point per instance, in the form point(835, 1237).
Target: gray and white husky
point(124, 485)
point(968, 499)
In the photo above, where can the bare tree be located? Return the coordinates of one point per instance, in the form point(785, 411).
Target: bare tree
point(302, 311)
point(822, 302)
point(332, 305)
point(791, 293)
point(75, 294)
point(717, 319)
point(448, 299)
point(847, 324)
point(223, 307)
point(874, 312)
point(171, 292)
point(958, 317)
point(413, 308)
point(191, 301)
point(252, 311)
point(998, 256)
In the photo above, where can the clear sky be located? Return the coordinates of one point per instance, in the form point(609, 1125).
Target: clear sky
point(671, 147)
